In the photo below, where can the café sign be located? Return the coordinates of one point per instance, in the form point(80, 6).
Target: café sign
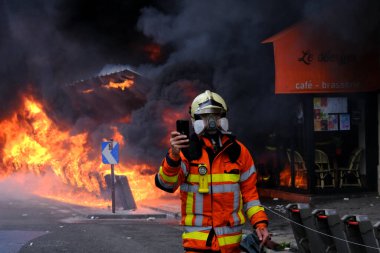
point(306, 63)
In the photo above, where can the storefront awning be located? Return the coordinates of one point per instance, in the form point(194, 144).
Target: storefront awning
point(311, 60)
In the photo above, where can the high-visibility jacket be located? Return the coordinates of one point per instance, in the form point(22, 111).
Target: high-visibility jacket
point(213, 220)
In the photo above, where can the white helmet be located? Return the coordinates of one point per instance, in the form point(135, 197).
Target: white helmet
point(208, 103)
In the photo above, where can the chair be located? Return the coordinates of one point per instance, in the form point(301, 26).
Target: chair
point(345, 174)
point(323, 170)
point(299, 168)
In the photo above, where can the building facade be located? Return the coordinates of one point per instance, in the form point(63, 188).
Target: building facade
point(333, 145)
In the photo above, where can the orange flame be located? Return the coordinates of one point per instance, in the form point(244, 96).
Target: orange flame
point(32, 143)
point(285, 178)
point(124, 85)
point(87, 91)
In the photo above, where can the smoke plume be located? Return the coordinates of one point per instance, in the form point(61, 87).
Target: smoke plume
point(216, 45)
point(226, 36)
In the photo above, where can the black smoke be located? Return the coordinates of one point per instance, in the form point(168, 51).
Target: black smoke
point(45, 45)
point(226, 36)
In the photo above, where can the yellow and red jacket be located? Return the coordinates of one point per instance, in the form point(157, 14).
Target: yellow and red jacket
point(214, 220)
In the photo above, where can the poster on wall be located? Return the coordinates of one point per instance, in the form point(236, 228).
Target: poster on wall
point(333, 122)
point(317, 125)
point(327, 111)
point(336, 105)
point(344, 122)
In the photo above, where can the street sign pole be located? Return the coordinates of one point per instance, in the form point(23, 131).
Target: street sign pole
point(112, 180)
point(113, 188)
point(110, 155)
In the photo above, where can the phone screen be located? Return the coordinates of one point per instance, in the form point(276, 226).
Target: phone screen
point(183, 127)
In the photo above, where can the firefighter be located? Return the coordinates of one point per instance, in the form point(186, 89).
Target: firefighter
point(217, 180)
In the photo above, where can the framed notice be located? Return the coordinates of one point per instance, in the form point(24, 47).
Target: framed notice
point(344, 122)
point(327, 112)
point(336, 105)
point(331, 104)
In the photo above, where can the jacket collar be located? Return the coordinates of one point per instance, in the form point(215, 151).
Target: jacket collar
point(207, 142)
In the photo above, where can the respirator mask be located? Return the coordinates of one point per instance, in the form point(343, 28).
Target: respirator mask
point(210, 123)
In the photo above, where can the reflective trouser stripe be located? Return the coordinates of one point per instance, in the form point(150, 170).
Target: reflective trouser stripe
point(253, 210)
point(189, 229)
point(223, 234)
point(170, 179)
point(228, 230)
point(230, 239)
point(218, 230)
point(196, 235)
point(189, 209)
point(248, 173)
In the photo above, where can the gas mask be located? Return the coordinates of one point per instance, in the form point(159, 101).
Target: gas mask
point(210, 123)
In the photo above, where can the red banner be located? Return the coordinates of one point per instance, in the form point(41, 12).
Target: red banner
point(308, 61)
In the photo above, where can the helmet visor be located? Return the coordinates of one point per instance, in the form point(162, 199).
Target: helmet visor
point(210, 106)
point(210, 103)
point(210, 109)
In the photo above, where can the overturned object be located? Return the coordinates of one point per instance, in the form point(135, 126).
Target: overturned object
point(123, 194)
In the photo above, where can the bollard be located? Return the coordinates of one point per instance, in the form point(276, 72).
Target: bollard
point(306, 239)
point(376, 229)
point(359, 229)
point(298, 231)
point(328, 222)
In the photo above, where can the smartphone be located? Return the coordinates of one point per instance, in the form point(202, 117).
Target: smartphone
point(183, 127)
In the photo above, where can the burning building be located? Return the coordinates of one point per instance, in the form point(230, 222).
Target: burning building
point(334, 145)
point(65, 161)
point(54, 132)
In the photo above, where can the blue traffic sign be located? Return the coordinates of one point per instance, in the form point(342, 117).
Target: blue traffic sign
point(110, 152)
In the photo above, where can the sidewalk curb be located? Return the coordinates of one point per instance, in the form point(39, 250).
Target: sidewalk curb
point(174, 214)
point(125, 216)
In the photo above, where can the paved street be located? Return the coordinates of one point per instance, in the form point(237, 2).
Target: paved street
point(32, 224)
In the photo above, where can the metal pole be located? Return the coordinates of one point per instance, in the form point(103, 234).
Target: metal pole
point(113, 188)
point(112, 180)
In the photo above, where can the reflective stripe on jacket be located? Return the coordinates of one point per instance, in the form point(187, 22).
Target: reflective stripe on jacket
point(231, 191)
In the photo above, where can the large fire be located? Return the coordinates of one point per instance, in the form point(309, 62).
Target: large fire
point(31, 143)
